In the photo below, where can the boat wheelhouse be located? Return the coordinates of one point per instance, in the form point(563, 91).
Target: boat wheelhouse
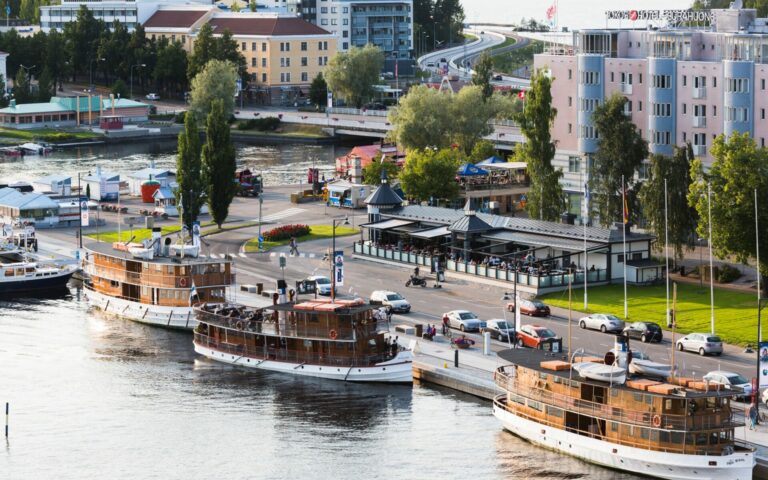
point(339, 340)
point(659, 429)
point(22, 272)
point(152, 284)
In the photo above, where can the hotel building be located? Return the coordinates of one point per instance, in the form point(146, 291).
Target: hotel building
point(683, 84)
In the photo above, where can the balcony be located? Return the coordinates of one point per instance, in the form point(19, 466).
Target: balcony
point(626, 88)
point(699, 122)
point(699, 93)
point(699, 150)
point(627, 113)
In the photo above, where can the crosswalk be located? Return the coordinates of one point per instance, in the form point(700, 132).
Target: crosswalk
point(222, 255)
point(281, 215)
point(272, 254)
point(301, 255)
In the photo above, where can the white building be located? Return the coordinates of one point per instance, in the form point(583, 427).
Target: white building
point(3, 69)
point(166, 178)
point(103, 186)
point(58, 184)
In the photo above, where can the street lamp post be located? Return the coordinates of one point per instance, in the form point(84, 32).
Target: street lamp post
point(434, 33)
point(332, 256)
point(756, 390)
point(93, 60)
point(132, 66)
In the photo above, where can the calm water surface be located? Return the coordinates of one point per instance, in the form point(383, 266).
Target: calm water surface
point(97, 397)
point(280, 164)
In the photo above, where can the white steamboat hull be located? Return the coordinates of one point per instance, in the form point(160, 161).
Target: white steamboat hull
point(737, 466)
point(168, 317)
point(397, 370)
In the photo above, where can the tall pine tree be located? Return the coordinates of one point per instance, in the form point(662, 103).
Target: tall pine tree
point(218, 164)
point(188, 165)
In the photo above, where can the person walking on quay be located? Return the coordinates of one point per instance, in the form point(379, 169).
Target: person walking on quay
point(445, 324)
point(752, 416)
point(294, 247)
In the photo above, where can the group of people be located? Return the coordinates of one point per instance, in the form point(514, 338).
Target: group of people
point(429, 332)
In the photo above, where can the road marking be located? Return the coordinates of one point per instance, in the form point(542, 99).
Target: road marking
point(212, 255)
point(280, 215)
point(272, 254)
point(242, 255)
point(312, 255)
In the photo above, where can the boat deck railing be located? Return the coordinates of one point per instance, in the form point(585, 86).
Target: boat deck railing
point(722, 420)
point(292, 356)
point(164, 280)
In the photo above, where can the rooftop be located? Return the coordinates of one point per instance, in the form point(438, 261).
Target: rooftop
point(265, 26)
point(105, 248)
point(25, 201)
point(174, 18)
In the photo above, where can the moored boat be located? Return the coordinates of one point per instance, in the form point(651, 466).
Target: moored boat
point(657, 429)
point(337, 340)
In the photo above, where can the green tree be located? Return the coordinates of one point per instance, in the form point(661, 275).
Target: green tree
point(3, 96)
point(483, 73)
point(431, 175)
point(482, 150)
point(620, 152)
point(448, 17)
point(169, 71)
point(82, 40)
point(545, 197)
point(204, 49)
point(217, 81)
point(353, 74)
point(681, 218)
point(738, 169)
point(120, 89)
point(45, 86)
point(218, 162)
point(470, 115)
point(318, 90)
point(372, 172)
point(252, 5)
point(21, 91)
point(56, 56)
point(227, 49)
point(188, 168)
point(422, 120)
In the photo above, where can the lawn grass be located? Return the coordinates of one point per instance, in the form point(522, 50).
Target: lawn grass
point(47, 135)
point(735, 312)
point(507, 42)
point(508, 62)
point(287, 130)
point(140, 234)
point(317, 232)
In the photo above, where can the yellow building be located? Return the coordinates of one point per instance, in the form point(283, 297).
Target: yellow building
point(282, 53)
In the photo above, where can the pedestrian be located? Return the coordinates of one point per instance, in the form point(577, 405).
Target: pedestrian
point(389, 315)
point(752, 416)
point(445, 324)
point(294, 247)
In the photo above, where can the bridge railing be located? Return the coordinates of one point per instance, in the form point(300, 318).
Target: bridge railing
point(357, 111)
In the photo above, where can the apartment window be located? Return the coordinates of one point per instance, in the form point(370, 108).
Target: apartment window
point(334, 21)
point(639, 105)
point(639, 75)
point(243, 46)
point(253, 62)
point(762, 84)
point(323, 9)
point(762, 114)
point(762, 142)
point(588, 104)
point(589, 78)
point(700, 139)
point(612, 77)
point(587, 131)
point(685, 137)
point(626, 78)
point(700, 110)
point(264, 77)
point(344, 9)
point(264, 62)
point(737, 85)
point(345, 34)
point(714, 80)
point(344, 45)
point(661, 109)
point(574, 164)
point(253, 46)
point(303, 61)
point(570, 128)
point(661, 137)
point(570, 101)
point(699, 82)
point(736, 114)
point(345, 21)
point(661, 81)
point(643, 173)
point(303, 46)
point(304, 77)
point(323, 21)
point(685, 109)
point(264, 46)
point(685, 80)
point(570, 74)
point(333, 10)
point(714, 110)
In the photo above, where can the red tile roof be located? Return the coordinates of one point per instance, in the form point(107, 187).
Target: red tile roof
point(266, 26)
point(174, 18)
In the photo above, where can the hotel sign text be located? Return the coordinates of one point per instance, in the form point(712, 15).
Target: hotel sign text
point(671, 16)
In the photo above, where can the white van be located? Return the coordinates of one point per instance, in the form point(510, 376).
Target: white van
point(390, 299)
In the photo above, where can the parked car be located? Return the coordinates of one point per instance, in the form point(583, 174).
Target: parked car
point(703, 343)
point(602, 321)
point(464, 320)
point(498, 78)
point(323, 284)
point(388, 75)
point(730, 380)
point(153, 96)
point(645, 331)
point(443, 60)
point(534, 308)
point(374, 106)
point(430, 64)
point(532, 335)
point(393, 300)
point(499, 329)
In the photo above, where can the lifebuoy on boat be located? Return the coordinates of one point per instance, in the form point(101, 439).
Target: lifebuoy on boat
point(183, 282)
point(239, 325)
point(332, 334)
point(656, 420)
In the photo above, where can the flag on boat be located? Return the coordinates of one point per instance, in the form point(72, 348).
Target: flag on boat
point(551, 13)
point(192, 292)
point(521, 94)
point(626, 207)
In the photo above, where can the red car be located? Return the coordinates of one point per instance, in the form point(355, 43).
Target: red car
point(534, 308)
point(532, 335)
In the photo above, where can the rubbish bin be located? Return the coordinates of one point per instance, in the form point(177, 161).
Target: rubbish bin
point(259, 288)
point(419, 328)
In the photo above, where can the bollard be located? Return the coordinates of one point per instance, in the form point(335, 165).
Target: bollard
point(486, 343)
point(456, 359)
point(445, 364)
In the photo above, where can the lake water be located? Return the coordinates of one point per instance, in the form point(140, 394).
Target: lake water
point(280, 164)
point(97, 397)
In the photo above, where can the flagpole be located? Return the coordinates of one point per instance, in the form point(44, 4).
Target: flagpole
point(624, 214)
point(666, 246)
point(586, 260)
point(711, 268)
point(757, 250)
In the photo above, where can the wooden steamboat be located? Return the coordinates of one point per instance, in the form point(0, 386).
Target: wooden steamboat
point(154, 284)
point(339, 340)
point(663, 430)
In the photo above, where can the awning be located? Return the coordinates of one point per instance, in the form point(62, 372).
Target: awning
point(469, 170)
point(387, 224)
point(506, 166)
point(569, 244)
point(432, 233)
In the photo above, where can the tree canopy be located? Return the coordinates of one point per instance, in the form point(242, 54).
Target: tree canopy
point(318, 90)
point(353, 74)
point(431, 174)
point(620, 152)
point(483, 73)
point(372, 172)
point(188, 168)
point(217, 81)
point(218, 162)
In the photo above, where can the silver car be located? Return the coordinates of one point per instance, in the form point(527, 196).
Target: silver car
point(604, 322)
point(730, 380)
point(500, 329)
point(464, 320)
point(703, 343)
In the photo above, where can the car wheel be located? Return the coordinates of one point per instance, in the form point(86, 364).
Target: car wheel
point(499, 337)
point(718, 354)
point(702, 352)
point(582, 324)
point(520, 342)
point(679, 347)
point(461, 327)
point(603, 329)
point(644, 339)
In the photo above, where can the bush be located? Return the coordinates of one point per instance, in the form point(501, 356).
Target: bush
point(260, 124)
point(179, 118)
point(727, 274)
point(285, 232)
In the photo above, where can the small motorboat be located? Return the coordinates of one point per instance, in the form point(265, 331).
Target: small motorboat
point(601, 372)
point(650, 369)
point(30, 148)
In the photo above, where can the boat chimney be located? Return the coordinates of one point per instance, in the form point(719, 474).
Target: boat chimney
point(156, 236)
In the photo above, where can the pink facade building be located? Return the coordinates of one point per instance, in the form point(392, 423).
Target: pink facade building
point(687, 84)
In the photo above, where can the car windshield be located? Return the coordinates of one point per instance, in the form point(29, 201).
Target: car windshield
point(322, 281)
point(503, 325)
point(612, 318)
point(538, 304)
point(652, 326)
point(545, 333)
point(638, 355)
point(713, 339)
point(467, 316)
point(394, 296)
point(736, 379)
